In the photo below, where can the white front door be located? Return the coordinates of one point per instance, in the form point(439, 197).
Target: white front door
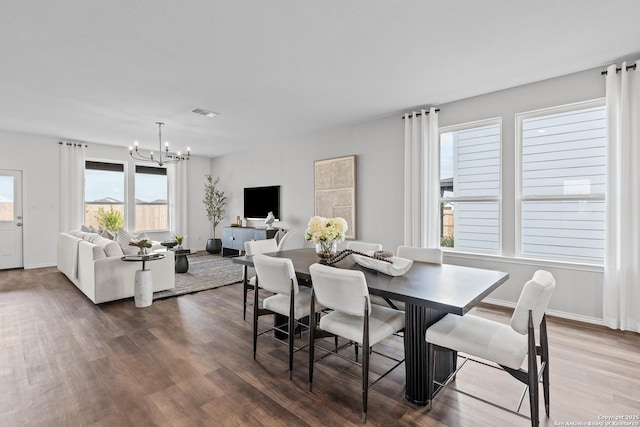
point(10, 219)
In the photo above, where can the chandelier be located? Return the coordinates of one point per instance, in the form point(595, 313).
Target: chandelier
point(164, 156)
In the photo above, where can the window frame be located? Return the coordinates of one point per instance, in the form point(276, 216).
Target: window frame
point(520, 198)
point(497, 199)
point(135, 204)
point(125, 183)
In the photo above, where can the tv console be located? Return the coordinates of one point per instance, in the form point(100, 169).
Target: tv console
point(233, 238)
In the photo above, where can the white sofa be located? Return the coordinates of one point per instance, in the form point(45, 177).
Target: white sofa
point(93, 264)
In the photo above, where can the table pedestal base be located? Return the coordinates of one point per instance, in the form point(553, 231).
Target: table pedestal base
point(416, 357)
point(143, 288)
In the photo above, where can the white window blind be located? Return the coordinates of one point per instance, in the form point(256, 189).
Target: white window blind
point(563, 176)
point(470, 188)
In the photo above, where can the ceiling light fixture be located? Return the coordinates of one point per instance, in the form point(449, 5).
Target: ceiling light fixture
point(164, 157)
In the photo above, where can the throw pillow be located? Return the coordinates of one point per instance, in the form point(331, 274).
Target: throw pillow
point(124, 237)
point(85, 228)
point(107, 234)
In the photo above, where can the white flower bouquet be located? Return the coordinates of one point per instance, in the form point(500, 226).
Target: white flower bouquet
point(321, 229)
point(325, 233)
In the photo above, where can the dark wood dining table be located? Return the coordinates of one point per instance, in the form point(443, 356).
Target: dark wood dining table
point(429, 292)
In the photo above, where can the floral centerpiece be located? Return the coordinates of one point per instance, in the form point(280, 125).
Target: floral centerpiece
point(325, 233)
point(142, 244)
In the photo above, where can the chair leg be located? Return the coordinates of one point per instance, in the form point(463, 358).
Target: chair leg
point(431, 356)
point(532, 373)
point(312, 331)
point(244, 291)
point(292, 328)
point(544, 356)
point(365, 384)
point(365, 361)
point(255, 319)
point(291, 336)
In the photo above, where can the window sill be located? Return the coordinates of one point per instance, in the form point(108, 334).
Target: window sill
point(567, 265)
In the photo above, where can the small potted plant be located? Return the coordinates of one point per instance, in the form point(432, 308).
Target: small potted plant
point(214, 202)
point(179, 240)
point(142, 244)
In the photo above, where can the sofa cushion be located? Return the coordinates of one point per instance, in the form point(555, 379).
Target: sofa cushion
point(93, 238)
point(110, 247)
point(88, 236)
point(98, 252)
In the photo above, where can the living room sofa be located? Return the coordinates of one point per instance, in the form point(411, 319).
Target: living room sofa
point(93, 263)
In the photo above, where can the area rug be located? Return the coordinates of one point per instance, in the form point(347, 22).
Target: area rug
point(206, 271)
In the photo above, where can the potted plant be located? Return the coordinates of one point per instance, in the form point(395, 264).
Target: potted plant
point(214, 202)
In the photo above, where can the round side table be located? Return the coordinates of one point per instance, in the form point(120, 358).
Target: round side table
point(143, 286)
point(182, 263)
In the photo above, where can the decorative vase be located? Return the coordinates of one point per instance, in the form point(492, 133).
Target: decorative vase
point(142, 251)
point(214, 246)
point(327, 249)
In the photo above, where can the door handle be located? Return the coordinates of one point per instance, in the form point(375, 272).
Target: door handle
point(19, 224)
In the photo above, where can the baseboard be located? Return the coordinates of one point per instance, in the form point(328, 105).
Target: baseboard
point(555, 313)
point(32, 266)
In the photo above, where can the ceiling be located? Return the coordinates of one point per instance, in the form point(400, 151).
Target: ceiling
point(106, 71)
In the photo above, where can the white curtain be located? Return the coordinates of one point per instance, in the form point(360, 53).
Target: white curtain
point(621, 299)
point(421, 179)
point(72, 155)
point(177, 176)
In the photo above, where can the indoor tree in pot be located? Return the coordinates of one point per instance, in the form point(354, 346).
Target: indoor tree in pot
point(214, 202)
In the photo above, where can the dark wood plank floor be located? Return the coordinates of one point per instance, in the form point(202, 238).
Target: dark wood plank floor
point(187, 361)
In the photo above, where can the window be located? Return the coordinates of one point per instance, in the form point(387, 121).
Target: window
point(152, 210)
point(470, 187)
point(562, 182)
point(6, 198)
point(103, 190)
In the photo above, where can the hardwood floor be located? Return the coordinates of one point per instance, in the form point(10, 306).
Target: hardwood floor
point(187, 361)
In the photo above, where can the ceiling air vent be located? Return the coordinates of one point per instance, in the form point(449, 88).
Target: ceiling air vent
point(204, 112)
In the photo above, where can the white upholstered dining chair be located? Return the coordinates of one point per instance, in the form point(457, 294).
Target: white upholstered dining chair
point(353, 317)
point(293, 239)
point(505, 345)
point(254, 247)
point(363, 246)
point(278, 276)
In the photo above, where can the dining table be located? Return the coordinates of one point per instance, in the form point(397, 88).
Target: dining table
point(429, 292)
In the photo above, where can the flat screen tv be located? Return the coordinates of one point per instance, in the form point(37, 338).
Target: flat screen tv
point(259, 201)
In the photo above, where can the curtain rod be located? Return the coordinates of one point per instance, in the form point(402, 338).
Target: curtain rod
point(419, 114)
point(75, 144)
point(629, 67)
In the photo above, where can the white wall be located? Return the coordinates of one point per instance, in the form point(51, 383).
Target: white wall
point(378, 145)
point(37, 157)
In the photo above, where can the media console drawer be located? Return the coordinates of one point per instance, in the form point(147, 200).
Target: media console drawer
point(233, 238)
